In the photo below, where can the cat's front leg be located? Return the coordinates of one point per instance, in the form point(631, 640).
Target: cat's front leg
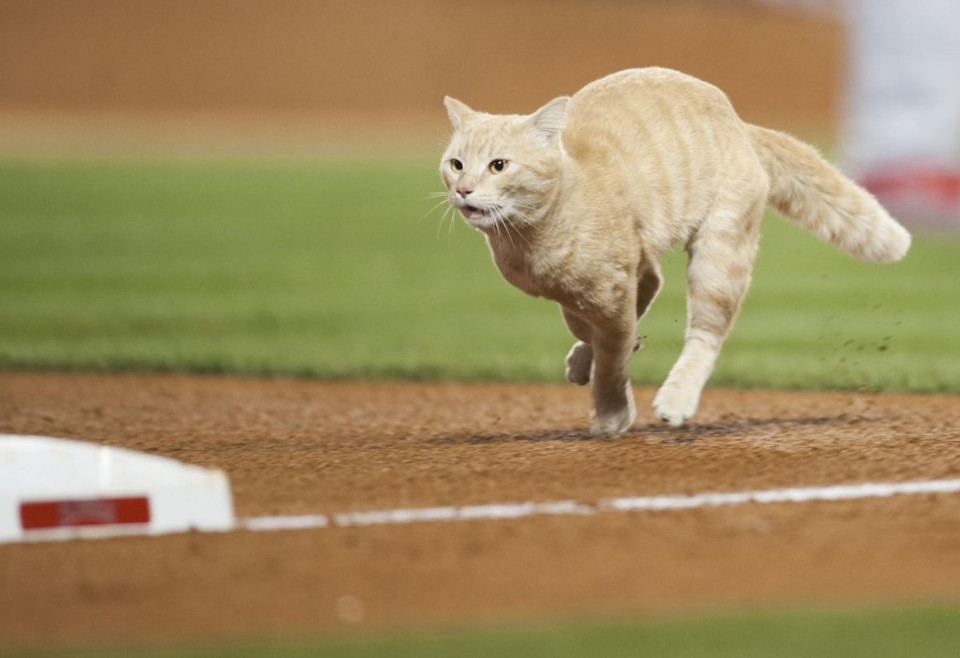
point(613, 406)
point(580, 358)
point(579, 363)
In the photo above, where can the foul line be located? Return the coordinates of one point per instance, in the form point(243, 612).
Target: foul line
point(574, 508)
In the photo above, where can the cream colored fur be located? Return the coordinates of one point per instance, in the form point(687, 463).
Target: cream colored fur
point(579, 200)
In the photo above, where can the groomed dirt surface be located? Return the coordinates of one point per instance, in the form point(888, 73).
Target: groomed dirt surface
point(298, 447)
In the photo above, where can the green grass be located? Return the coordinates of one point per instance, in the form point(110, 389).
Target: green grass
point(922, 632)
point(342, 270)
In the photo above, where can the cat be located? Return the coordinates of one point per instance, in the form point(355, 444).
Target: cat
point(579, 200)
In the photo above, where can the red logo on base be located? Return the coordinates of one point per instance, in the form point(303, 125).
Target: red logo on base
point(92, 511)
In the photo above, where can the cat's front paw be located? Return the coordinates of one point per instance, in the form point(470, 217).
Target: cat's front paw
point(613, 423)
point(675, 404)
point(579, 364)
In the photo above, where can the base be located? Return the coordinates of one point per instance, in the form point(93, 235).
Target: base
point(63, 489)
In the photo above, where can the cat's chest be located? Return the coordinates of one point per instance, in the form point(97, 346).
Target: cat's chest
point(522, 276)
point(537, 273)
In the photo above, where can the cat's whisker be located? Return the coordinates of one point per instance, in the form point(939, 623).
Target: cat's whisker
point(521, 235)
point(433, 209)
point(520, 205)
point(496, 228)
point(440, 196)
point(504, 227)
point(525, 208)
point(440, 223)
point(502, 220)
point(522, 212)
point(453, 221)
point(494, 211)
point(437, 206)
point(511, 227)
point(448, 214)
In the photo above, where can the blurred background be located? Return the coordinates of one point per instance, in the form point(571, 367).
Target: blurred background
point(246, 76)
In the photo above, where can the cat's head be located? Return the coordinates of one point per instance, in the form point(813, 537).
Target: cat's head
point(502, 168)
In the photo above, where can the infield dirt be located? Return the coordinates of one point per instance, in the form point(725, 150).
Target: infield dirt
point(304, 447)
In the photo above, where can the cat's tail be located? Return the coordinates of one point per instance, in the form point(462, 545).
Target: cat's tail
point(811, 192)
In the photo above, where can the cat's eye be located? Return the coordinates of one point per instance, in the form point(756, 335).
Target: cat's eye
point(498, 165)
point(456, 165)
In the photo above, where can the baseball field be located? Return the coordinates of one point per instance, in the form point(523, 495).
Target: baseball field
point(339, 344)
point(221, 242)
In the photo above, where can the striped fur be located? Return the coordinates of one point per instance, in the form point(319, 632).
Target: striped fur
point(579, 200)
point(810, 192)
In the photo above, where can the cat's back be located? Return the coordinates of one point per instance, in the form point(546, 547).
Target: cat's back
point(631, 109)
point(638, 85)
point(659, 147)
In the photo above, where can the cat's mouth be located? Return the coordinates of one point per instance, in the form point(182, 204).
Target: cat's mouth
point(476, 216)
point(481, 217)
point(474, 213)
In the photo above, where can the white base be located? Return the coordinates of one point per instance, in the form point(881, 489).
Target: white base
point(63, 489)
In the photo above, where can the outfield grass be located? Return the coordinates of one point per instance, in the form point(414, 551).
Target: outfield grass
point(919, 632)
point(331, 270)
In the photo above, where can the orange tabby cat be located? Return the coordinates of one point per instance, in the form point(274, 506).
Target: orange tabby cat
point(579, 199)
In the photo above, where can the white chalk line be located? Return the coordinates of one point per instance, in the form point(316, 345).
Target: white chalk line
point(495, 511)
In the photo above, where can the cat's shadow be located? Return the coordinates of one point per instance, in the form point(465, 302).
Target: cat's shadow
point(692, 433)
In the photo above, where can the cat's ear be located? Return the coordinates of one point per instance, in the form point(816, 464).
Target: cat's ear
point(457, 110)
point(548, 121)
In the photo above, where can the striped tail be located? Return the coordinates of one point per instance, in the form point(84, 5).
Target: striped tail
point(812, 193)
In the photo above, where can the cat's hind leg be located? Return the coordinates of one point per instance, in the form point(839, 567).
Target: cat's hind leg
point(718, 275)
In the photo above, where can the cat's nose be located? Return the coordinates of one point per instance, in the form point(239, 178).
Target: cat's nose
point(463, 191)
